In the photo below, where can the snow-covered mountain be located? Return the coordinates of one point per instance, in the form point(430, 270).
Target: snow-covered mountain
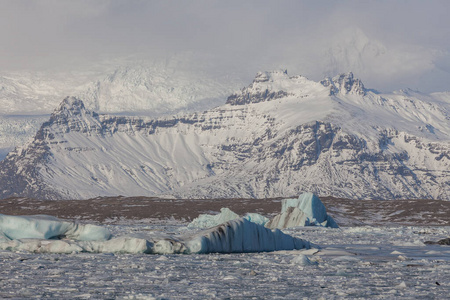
point(279, 136)
point(144, 88)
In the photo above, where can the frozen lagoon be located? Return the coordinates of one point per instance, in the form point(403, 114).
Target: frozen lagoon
point(353, 262)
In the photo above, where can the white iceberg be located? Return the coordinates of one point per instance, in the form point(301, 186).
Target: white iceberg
point(48, 227)
point(122, 244)
point(225, 215)
point(116, 245)
point(306, 210)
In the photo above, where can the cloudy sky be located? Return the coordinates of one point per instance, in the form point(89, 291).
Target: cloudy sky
point(388, 44)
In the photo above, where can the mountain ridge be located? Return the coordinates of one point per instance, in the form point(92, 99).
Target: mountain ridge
point(279, 136)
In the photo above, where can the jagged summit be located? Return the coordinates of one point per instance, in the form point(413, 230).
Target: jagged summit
point(344, 83)
point(270, 76)
point(273, 85)
point(70, 106)
point(72, 114)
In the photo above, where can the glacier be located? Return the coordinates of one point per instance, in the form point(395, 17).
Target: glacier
point(46, 234)
point(306, 210)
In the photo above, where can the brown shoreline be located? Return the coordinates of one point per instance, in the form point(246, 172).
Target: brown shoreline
point(346, 212)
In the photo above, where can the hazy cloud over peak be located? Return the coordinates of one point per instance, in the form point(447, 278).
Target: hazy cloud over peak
point(388, 44)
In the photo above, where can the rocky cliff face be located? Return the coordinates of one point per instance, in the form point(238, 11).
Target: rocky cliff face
point(280, 136)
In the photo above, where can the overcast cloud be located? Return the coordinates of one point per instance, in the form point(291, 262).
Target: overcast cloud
point(388, 44)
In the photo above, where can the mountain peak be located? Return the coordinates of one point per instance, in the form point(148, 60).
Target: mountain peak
point(344, 83)
point(72, 113)
point(268, 76)
point(261, 89)
point(70, 106)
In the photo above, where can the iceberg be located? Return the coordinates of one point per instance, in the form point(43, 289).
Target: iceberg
point(208, 221)
point(48, 227)
point(117, 245)
point(46, 234)
point(306, 210)
point(256, 218)
point(41, 246)
point(241, 235)
point(122, 244)
point(225, 215)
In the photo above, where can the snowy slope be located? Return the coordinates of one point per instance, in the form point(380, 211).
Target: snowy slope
point(278, 137)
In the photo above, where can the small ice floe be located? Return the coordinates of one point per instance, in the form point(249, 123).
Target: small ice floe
point(303, 260)
point(345, 272)
point(346, 258)
point(403, 258)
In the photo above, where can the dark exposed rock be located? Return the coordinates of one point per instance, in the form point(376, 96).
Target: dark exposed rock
point(345, 84)
point(440, 242)
point(247, 98)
